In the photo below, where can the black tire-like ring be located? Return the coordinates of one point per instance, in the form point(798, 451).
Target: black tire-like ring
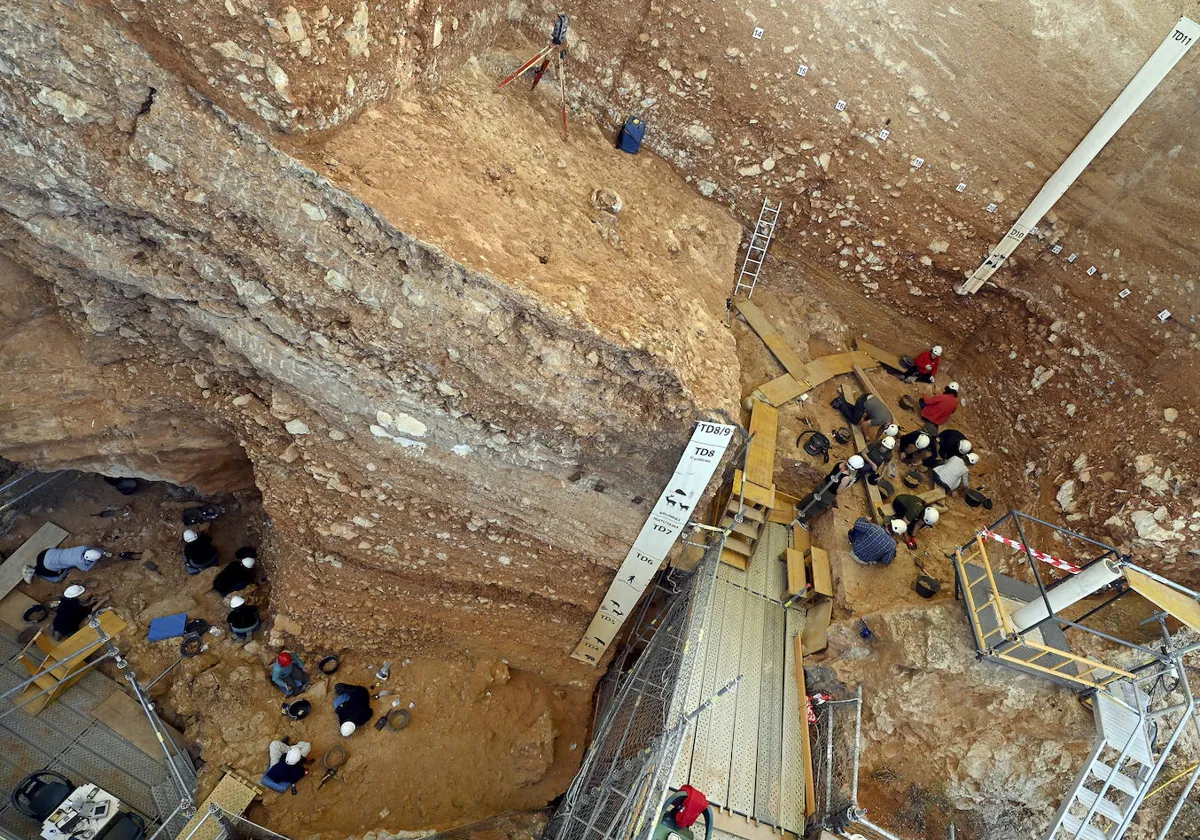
point(329, 664)
point(36, 613)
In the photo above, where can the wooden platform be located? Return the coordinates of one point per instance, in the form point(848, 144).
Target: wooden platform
point(779, 348)
point(233, 793)
point(48, 536)
point(59, 678)
point(884, 357)
point(788, 387)
point(760, 458)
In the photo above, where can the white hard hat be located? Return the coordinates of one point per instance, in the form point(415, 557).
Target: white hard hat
point(293, 756)
point(953, 386)
point(93, 554)
point(236, 601)
point(891, 429)
point(248, 562)
point(936, 351)
point(931, 516)
point(922, 440)
point(888, 442)
point(74, 591)
point(972, 458)
point(347, 729)
point(964, 446)
point(856, 462)
point(190, 536)
point(899, 526)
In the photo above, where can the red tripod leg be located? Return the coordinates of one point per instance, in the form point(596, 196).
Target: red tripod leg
point(562, 92)
point(541, 72)
point(540, 55)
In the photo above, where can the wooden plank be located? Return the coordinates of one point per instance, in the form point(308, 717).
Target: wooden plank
point(810, 798)
point(816, 626)
point(840, 363)
point(760, 459)
point(739, 826)
point(866, 383)
point(874, 500)
point(12, 609)
point(782, 390)
point(729, 558)
point(801, 539)
point(1182, 606)
point(797, 580)
point(884, 357)
point(62, 676)
point(822, 575)
point(779, 348)
point(48, 536)
point(232, 793)
point(123, 715)
point(762, 496)
point(784, 511)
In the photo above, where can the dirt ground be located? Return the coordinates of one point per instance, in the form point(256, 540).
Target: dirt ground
point(483, 738)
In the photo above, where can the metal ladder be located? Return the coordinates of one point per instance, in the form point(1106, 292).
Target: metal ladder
point(764, 229)
point(1107, 794)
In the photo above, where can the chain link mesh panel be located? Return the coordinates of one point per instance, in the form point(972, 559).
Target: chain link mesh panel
point(623, 781)
point(220, 824)
point(835, 758)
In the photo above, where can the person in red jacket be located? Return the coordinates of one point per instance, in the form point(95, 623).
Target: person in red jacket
point(925, 368)
point(937, 410)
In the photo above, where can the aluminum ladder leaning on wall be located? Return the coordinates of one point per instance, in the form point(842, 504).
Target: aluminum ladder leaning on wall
point(760, 240)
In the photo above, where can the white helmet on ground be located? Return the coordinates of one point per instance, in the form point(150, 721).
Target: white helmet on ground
point(888, 442)
point(891, 429)
point(953, 386)
point(922, 441)
point(74, 591)
point(972, 458)
point(347, 729)
point(964, 446)
point(248, 562)
point(294, 756)
point(856, 462)
point(899, 526)
point(936, 351)
point(190, 536)
point(93, 554)
point(931, 516)
point(236, 601)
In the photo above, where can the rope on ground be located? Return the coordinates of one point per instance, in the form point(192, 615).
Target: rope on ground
point(1049, 559)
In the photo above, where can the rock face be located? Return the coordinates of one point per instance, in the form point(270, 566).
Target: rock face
point(447, 463)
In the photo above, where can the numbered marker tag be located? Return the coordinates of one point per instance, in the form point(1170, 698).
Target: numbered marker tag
point(802, 70)
point(1091, 271)
point(1124, 294)
point(1072, 258)
point(758, 33)
point(1035, 231)
point(961, 188)
point(883, 133)
point(841, 105)
point(1164, 315)
point(917, 163)
point(1057, 249)
point(991, 208)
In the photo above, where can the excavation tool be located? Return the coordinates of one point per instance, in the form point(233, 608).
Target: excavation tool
point(334, 758)
point(557, 50)
point(188, 648)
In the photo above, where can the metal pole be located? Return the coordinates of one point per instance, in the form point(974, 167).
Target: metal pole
point(57, 684)
point(829, 762)
point(857, 742)
point(860, 817)
point(16, 480)
point(9, 504)
point(1068, 532)
point(84, 652)
point(1162, 657)
point(1092, 612)
point(1037, 577)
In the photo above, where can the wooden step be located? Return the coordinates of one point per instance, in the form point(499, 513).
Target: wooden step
point(749, 512)
point(739, 546)
point(729, 558)
point(746, 529)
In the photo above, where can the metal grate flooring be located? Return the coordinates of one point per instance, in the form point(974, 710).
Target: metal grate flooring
point(65, 737)
point(744, 753)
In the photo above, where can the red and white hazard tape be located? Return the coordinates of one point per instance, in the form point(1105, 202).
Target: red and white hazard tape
point(1040, 555)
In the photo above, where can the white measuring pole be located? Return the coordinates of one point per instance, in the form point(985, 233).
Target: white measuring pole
point(674, 508)
point(1168, 54)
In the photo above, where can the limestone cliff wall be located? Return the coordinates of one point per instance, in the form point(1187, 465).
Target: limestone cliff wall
point(447, 463)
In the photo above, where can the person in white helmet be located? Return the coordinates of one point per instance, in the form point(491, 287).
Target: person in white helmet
point(71, 613)
point(890, 430)
point(877, 456)
point(54, 564)
point(913, 446)
point(915, 514)
point(954, 473)
point(199, 553)
point(925, 367)
point(286, 765)
point(352, 705)
point(843, 475)
point(948, 442)
point(238, 574)
point(243, 618)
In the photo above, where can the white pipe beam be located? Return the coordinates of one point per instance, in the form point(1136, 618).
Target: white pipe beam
point(1156, 68)
point(1071, 590)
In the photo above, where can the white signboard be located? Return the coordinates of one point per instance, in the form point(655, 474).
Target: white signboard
point(672, 511)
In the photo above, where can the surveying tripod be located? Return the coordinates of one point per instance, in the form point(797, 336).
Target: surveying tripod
point(558, 41)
